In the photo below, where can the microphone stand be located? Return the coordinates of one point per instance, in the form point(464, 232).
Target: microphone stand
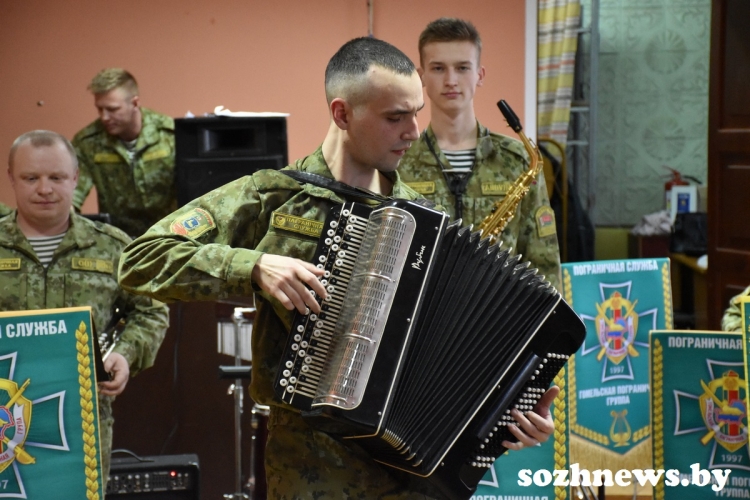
point(239, 373)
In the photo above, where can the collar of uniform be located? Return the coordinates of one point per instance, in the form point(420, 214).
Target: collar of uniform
point(10, 234)
point(12, 237)
point(485, 146)
point(77, 234)
point(151, 123)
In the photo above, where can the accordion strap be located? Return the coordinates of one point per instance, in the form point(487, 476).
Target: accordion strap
point(337, 187)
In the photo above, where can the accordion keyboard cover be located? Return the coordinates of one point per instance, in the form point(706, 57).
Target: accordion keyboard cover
point(428, 338)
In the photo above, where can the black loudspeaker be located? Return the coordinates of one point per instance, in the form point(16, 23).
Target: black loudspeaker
point(212, 151)
point(159, 477)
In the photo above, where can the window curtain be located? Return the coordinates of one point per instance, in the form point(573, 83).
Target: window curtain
point(558, 39)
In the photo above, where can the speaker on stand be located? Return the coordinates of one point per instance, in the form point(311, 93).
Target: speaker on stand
point(215, 150)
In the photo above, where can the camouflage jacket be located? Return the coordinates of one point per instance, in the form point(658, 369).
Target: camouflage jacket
point(732, 319)
point(82, 273)
point(208, 248)
point(135, 195)
point(500, 160)
point(4, 210)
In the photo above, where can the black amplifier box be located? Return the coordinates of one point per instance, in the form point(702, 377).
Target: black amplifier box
point(158, 477)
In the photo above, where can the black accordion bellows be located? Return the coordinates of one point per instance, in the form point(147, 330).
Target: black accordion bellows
point(429, 337)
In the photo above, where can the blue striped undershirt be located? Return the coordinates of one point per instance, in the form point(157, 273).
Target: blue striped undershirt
point(44, 247)
point(461, 161)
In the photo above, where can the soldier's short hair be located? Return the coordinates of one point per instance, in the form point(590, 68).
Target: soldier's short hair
point(113, 78)
point(39, 139)
point(449, 29)
point(349, 66)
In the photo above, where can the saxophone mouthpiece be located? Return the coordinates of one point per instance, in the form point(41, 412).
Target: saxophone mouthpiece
point(510, 116)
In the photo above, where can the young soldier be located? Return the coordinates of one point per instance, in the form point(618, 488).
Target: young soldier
point(238, 240)
point(47, 241)
point(461, 165)
point(128, 153)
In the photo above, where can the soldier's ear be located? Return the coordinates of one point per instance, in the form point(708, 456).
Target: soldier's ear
point(340, 113)
point(135, 100)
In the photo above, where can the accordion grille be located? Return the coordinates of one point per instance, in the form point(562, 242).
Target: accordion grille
point(365, 309)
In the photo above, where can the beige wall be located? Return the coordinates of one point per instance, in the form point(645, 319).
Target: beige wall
point(243, 54)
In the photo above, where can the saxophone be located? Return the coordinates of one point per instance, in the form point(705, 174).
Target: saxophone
point(505, 209)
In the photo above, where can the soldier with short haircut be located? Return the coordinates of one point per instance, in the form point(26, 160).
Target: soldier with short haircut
point(251, 236)
point(459, 164)
point(47, 241)
point(128, 153)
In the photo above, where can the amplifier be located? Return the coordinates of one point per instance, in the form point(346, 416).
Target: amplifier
point(159, 477)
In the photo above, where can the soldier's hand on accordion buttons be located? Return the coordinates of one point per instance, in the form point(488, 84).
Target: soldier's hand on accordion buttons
point(285, 279)
point(535, 426)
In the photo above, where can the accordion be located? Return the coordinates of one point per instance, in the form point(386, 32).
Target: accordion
point(428, 337)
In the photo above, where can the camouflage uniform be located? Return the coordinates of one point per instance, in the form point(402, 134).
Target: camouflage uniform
point(207, 251)
point(62, 285)
point(135, 195)
point(732, 319)
point(500, 160)
point(4, 210)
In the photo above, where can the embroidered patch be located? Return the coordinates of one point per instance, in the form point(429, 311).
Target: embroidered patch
point(294, 224)
point(496, 188)
point(107, 158)
point(10, 264)
point(193, 224)
point(426, 187)
point(154, 155)
point(545, 221)
point(98, 265)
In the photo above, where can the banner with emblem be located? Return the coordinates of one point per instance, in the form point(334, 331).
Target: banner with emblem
point(49, 421)
point(512, 475)
point(620, 301)
point(699, 412)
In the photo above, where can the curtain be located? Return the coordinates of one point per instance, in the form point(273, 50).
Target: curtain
point(558, 39)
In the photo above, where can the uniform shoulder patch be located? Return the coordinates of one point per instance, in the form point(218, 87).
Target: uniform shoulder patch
point(545, 221)
point(193, 224)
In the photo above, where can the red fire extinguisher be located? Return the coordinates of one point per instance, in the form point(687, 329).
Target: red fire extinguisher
point(675, 179)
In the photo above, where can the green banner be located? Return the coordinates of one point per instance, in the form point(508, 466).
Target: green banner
point(49, 424)
point(699, 415)
point(512, 475)
point(620, 301)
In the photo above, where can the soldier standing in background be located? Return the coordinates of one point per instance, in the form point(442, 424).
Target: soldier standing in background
point(49, 250)
point(128, 154)
point(253, 236)
point(462, 166)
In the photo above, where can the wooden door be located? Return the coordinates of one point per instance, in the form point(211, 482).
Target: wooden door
point(728, 156)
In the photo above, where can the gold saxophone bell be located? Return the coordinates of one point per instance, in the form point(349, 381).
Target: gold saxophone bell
point(504, 210)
